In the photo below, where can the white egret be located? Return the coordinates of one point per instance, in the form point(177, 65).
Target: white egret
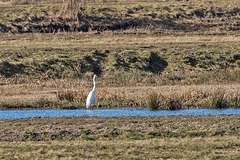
point(91, 95)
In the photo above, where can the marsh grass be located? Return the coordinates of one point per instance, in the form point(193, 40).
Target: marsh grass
point(153, 101)
point(218, 101)
point(172, 102)
point(66, 95)
point(38, 103)
point(157, 101)
point(55, 95)
point(235, 101)
point(192, 98)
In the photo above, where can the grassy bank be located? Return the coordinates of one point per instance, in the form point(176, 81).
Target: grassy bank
point(177, 137)
point(175, 16)
point(134, 48)
point(72, 95)
point(134, 59)
point(55, 71)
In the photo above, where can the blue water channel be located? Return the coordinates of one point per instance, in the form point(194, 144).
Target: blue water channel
point(8, 114)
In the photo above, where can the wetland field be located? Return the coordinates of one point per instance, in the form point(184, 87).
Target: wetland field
point(162, 55)
point(128, 137)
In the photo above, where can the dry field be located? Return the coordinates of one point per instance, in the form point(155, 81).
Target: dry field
point(161, 137)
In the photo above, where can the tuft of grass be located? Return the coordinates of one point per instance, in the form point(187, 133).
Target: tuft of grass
point(153, 101)
point(235, 101)
point(164, 102)
point(218, 101)
point(66, 95)
point(74, 8)
point(173, 102)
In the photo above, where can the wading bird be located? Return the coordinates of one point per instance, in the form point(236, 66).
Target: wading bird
point(91, 95)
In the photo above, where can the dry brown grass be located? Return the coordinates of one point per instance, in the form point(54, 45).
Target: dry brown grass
point(151, 137)
point(170, 148)
point(22, 2)
point(174, 16)
point(74, 93)
point(122, 58)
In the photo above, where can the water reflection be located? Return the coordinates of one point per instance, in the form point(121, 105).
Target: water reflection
point(7, 114)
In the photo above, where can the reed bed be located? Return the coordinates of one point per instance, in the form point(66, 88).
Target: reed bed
point(73, 95)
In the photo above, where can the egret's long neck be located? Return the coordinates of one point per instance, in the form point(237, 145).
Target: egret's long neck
point(94, 85)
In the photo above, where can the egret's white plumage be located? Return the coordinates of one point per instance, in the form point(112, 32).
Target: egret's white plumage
point(91, 95)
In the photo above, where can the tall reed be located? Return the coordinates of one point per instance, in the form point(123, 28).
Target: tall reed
point(74, 8)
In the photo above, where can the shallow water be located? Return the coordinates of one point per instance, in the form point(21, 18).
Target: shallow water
point(8, 114)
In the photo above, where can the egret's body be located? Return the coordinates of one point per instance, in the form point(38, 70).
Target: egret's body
point(91, 95)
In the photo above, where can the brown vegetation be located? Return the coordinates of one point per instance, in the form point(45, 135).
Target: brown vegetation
point(55, 95)
point(190, 137)
point(162, 55)
point(165, 17)
point(126, 44)
point(108, 128)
